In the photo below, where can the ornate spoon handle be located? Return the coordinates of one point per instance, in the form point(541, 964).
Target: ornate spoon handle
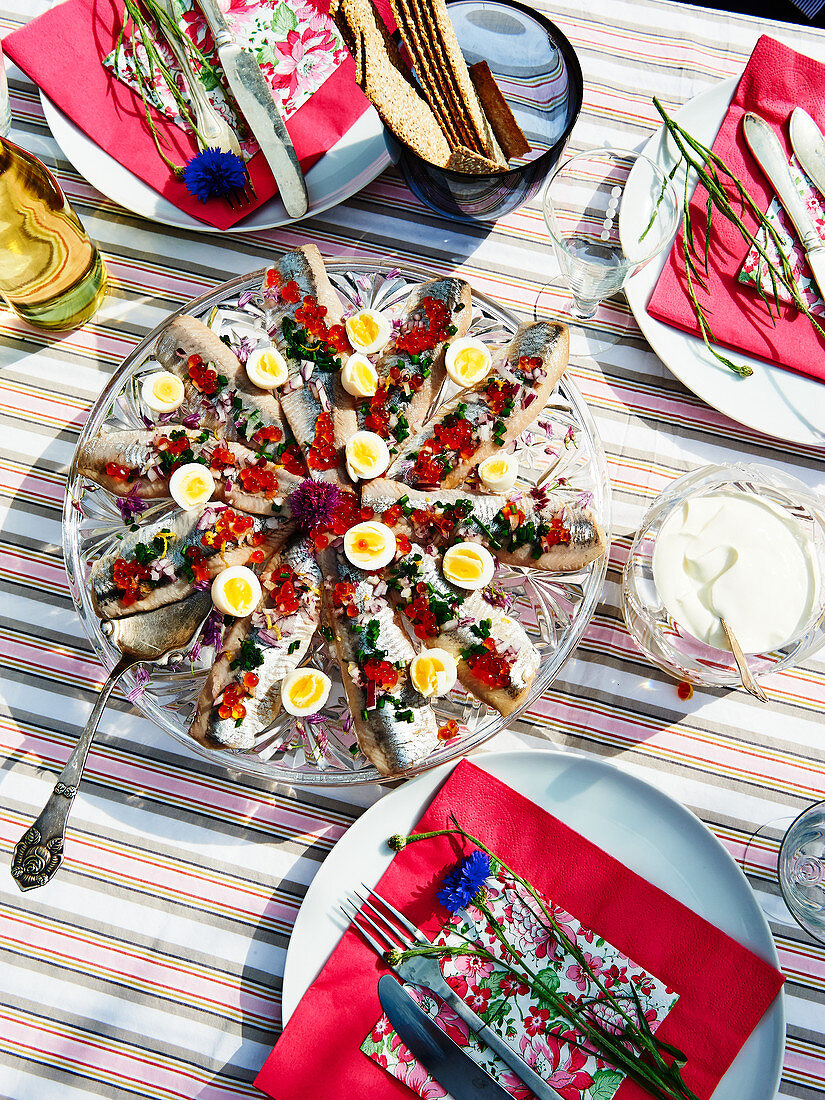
point(39, 852)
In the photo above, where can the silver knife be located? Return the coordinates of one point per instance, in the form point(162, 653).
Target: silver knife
point(254, 97)
point(808, 144)
point(451, 1066)
point(767, 149)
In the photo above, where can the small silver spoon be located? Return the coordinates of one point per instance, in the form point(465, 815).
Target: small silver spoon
point(748, 681)
point(149, 637)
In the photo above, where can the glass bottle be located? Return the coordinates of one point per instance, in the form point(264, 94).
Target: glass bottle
point(51, 273)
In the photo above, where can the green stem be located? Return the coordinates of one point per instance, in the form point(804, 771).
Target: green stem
point(708, 165)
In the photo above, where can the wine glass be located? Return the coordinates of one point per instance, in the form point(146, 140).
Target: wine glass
point(608, 213)
point(801, 870)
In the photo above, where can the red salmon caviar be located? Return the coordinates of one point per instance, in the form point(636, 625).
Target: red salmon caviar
point(120, 473)
point(229, 526)
point(434, 330)
point(128, 576)
point(448, 731)
point(203, 377)
point(490, 666)
point(272, 278)
point(292, 460)
point(558, 533)
point(322, 454)
point(231, 705)
point(684, 691)
point(258, 479)
point(256, 557)
point(381, 672)
point(290, 292)
point(285, 598)
point(270, 434)
point(392, 515)
point(195, 561)
point(221, 458)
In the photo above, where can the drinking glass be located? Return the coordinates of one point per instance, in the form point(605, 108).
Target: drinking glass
point(608, 213)
point(5, 108)
point(801, 870)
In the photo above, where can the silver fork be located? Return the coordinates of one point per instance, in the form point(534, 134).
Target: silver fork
point(391, 930)
point(213, 131)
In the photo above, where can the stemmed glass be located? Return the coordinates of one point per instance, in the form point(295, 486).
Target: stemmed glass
point(608, 213)
point(801, 870)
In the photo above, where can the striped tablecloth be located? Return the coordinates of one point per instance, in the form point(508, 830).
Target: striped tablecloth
point(152, 965)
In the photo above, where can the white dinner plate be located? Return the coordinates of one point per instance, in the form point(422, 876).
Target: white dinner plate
point(777, 402)
point(631, 820)
point(354, 161)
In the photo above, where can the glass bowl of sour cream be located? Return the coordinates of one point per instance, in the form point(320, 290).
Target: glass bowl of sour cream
point(745, 543)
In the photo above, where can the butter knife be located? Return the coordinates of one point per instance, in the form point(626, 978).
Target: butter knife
point(255, 99)
point(766, 147)
point(448, 1063)
point(808, 144)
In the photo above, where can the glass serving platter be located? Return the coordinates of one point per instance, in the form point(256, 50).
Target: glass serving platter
point(321, 750)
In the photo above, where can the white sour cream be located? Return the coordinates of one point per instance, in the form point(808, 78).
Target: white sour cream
point(733, 556)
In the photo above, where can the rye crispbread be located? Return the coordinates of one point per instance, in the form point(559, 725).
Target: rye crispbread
point(381, 75)
point(508, 132)
point(440, 116)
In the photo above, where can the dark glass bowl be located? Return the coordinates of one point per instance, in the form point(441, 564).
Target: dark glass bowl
point(539, 74)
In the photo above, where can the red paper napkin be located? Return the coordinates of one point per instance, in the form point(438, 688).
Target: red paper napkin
point(62, 52)
point(776, 80)
point(723, 988)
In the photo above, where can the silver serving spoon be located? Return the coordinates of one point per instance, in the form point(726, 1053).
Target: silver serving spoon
point(148, 637)
point(747, 677)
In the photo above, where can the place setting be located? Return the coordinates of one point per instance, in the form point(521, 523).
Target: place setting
point(503, 674)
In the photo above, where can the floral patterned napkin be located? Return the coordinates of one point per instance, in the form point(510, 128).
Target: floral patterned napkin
point(540, 1037)
point(754, 270)
point(297, 47)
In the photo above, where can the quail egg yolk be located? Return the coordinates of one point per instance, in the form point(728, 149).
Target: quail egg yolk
point(359, 377)
point(499, 473)
point(367, 456)
point(468, 565)
point(191, 485)
point(236, 591)
point(305, 691)
point(266, 368)
point(162, 391)
point(370, 545)
point(467, 361)
point(433, 672)
point(368, 331)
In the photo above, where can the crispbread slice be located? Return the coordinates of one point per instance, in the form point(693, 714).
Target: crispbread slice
point(430, 80)
point(381, 76)
point(508, 132)
point(470, 162)
point(434, 20)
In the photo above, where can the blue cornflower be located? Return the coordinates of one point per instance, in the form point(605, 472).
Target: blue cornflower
point(465, 882)
point(213, 174)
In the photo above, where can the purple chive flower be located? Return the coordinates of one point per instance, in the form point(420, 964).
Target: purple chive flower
point(464, 883)
point(141, 680)
point(244, 349)
point(246, 298)
point(213, 174)
point(131, 506)
point(211, 634)
point(314, 503)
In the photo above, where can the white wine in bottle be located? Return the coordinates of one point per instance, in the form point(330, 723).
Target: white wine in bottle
point(51, 273)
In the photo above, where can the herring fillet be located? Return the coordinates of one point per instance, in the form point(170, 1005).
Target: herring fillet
point(457, 296)
point(393, 745)
point(186, 529)
point(135, 449)
point(275, 634)
point(471, 609)
point(240, 408)
point(587, 538)
point(543, 340)
point(302, 401)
